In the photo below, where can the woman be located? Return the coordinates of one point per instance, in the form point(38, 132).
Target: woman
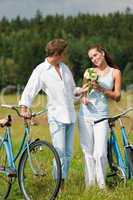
point(94, 105)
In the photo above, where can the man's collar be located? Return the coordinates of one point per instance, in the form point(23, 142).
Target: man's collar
point(48, 65)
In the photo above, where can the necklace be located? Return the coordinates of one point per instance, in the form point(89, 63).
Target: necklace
point(102, 72)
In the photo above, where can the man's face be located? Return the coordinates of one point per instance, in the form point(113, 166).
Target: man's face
point(58, 58)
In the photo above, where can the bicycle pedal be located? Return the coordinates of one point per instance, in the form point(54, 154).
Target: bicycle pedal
point(113, 174)
point(37, 139)
point(11, 172)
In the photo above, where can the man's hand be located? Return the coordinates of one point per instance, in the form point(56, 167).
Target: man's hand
point(81, 90)
point(25, 112)
point(84, 100)
point(84, 88)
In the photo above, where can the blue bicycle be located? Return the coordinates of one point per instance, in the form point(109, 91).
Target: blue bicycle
point(35, 167)
point(120, 163)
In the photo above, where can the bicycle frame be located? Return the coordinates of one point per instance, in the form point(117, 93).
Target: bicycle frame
point(122, 161)
point(32, 163)
point(114, 142)
point(24, 145)
point(7, 141)
point(125, 144)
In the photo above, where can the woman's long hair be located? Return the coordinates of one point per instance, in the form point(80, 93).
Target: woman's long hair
point(108, 58)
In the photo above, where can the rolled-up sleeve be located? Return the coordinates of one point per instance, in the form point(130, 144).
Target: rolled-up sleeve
point(76, 90)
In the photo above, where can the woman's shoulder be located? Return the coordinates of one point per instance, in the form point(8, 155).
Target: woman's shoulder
point(116, 72)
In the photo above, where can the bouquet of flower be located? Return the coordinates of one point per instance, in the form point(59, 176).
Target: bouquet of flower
point(90, 75)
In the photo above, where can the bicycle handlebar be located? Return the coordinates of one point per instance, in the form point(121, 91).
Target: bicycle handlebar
point(114, 118)
point(15, 107)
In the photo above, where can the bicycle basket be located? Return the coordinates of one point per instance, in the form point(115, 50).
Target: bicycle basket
point(129, 150)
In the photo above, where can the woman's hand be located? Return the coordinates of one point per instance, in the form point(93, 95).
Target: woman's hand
point(97, 87)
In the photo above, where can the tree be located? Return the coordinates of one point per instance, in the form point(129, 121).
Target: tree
point(128, 74)
point(8, 72)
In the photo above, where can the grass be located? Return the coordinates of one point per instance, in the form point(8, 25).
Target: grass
point(74, 187)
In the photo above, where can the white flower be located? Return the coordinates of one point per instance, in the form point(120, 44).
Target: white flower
point(90, 75)
point(86, 75)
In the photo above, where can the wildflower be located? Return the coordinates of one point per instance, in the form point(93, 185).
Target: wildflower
point(90, 75)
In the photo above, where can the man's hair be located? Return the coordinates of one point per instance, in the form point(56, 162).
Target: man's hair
point(56, 47)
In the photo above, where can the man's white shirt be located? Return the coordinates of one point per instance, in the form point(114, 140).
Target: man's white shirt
point(60, 92)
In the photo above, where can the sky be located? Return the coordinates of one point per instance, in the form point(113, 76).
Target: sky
point(27, 8)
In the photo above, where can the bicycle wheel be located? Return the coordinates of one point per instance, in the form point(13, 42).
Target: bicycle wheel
point(120, 177)
point(116, 175)
point(36, 180)
point(5, 181)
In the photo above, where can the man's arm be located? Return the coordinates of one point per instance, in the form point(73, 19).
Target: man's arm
point(32, 88)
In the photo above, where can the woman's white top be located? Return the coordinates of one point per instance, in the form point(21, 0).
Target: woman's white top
point(98, 105)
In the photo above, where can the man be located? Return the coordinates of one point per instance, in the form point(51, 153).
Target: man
point(56, 80)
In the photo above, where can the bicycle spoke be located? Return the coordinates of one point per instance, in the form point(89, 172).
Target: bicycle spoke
point(120, 176)
point(36, 177)
point(117, 175)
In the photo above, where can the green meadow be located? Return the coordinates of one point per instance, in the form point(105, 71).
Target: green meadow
point(74, 187)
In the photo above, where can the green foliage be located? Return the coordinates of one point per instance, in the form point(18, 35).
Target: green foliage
point(128, 74)
point(8, 71)
point(23, 42)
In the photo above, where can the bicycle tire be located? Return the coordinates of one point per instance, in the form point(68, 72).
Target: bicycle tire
point(5, 180)
point(120, 176)
point(43, 185)
point(117, 174)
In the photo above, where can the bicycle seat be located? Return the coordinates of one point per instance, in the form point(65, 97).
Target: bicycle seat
point(5, 121)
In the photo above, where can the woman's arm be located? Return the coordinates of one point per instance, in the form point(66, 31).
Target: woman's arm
point(114, 94)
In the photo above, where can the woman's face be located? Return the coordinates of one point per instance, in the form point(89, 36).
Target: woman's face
point(96, 57)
